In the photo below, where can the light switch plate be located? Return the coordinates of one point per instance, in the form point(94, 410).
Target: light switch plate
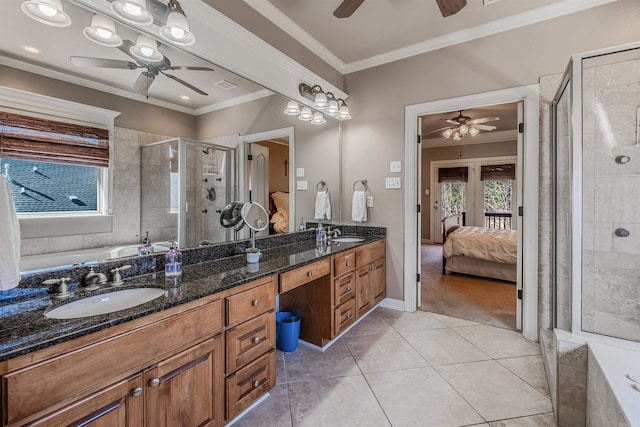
point(301, 185)
point(299, 172)
point(369, 201)
point(392, 183)
point(395, 166)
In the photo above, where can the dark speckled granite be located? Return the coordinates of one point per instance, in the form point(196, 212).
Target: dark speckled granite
point(24, 328)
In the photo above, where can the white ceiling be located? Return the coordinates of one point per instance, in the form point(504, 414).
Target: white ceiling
point(382, 31)
point(58, 44)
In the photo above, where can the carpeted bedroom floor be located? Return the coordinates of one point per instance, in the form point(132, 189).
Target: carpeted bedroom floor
point(486, 301)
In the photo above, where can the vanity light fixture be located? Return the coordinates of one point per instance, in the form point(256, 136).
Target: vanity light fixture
point(176, 29)
point(102, 31)
point(318, 119)
point(325, 101)
point(132, 11)
point(47, 12)
point(146, 49)
point(293, 109)
point(306, 114)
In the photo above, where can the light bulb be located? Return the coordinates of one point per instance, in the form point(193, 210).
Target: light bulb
point(146, 51)
point(457, 136)
point(473, 131)
point(332, 108)
point(321, 101)
point(293, 109)
point(176, 30)
point(102, 31)
point(447, 133)
point(133, 9)
point(47, 10)
point(318, 119)
point(343, 114)
point(463, 129)
point(305, 114)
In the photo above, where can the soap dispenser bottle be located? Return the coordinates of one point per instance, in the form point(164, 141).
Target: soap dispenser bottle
point(321, 238)
point(173, 260)
point(145, 248)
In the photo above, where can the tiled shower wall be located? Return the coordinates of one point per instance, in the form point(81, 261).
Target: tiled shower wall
point(126, 200)
point(611, 264)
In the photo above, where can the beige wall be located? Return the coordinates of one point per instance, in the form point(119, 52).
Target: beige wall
point(379, 95)
point(469, 151)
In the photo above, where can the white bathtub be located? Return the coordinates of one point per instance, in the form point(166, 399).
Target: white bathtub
point(58, 260)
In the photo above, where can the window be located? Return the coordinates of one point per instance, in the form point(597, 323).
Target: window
point(497, 187)
point(52, 166)
point(453, 189)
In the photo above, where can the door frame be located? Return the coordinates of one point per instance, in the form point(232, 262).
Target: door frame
point(287, 132)
point(528, 158)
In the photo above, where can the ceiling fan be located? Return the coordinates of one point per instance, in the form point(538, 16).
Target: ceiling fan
point(152, 68)
point(462, 126)
point(447, 7)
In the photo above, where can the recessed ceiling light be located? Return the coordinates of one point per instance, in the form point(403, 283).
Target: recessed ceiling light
point(31, 49)
point(185, 97)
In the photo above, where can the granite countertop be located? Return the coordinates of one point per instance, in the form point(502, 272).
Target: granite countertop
point(24, 328)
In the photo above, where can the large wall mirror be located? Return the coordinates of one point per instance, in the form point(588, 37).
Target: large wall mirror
point(180, 144)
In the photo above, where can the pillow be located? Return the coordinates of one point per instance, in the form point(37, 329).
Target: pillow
point(281, 199)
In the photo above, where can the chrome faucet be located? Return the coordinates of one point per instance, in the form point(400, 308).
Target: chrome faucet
point(59, 288)
point(117, 278)
point(333, 233)
point(91, 280)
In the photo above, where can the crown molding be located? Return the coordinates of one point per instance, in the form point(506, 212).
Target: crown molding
point(483, 138)
point(554, 10)
point(273, 14)
point(234, 101)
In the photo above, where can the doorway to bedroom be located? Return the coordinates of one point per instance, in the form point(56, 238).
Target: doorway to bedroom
point(468, 233)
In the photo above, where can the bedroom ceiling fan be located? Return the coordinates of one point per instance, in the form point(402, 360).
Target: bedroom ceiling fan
point(152, 68)
point(462, 126)
point(447, 7)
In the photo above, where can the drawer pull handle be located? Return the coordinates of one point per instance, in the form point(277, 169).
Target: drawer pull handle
point(346, 264)
point(154, 382)
point(256, 384)
point(348, 288)
point(309, 273)
point(136, 392)
point(348, 315)
point(256, 340)
point(255, 302)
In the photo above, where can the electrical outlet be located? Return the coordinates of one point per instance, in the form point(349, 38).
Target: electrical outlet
point(392, 183)
point(395, 166)
point(369, 201)
point(301, 185)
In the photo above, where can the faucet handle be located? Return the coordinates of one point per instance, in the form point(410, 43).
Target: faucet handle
point(117, 278)
point(62, 290)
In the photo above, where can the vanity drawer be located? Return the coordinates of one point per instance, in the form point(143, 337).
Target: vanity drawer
point(345, 316)
point(344, 263)
point(344, 288)
point(371, 252)
point(249, 304)
point(249, 340)
point(249, 383)
point(305, 274)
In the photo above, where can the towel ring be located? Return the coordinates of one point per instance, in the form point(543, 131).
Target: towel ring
point(322, 184)
point(360, 181)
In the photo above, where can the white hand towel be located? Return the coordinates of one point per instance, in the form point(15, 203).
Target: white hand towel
point(359, 206)
point(323, 206)
point(10, 236)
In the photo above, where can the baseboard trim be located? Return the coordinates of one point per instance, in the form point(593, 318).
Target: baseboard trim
point(394, 304)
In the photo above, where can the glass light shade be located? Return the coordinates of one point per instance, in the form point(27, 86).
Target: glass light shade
point(146, 49)
point(47, 12)
point(463, 129)
point(305, 114)
point(457, 136)
point(321, 101)
point(447, 133)
point(293, 109)
point(318, 119)
point(132, 11)
point(332, 108)
point(473, 131)
point(177, 30)
point(344, 113)
point(102, 31)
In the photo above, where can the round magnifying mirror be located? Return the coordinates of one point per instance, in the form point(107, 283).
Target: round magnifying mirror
point(255, 216)
point(231, 215)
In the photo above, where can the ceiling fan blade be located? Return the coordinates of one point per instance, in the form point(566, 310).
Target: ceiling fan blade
point(437, 130)
point(186, 67)
point(483, 120)
point(347, 7)
point(453, 122)
point(142, 83)
point(484, 127)
point(450, 7)
point(182, 82)
point(86, 61)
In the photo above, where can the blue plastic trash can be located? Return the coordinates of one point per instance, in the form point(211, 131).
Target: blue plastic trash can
point(287, 331)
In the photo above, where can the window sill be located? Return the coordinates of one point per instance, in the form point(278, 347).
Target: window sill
point(31, 228)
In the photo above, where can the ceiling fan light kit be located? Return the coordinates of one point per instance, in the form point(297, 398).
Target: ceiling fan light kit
point(462, 126)
point(132, 11)
point(48, 12)
point(177, 29)
point(146, 49)
point(102, 31)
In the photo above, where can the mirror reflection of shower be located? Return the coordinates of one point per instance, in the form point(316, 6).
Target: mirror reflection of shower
point(185, 186)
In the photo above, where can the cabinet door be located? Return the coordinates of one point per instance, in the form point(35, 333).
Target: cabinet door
point(117, 406)
point(378, 280)
point(364, 294)
point(186, 389)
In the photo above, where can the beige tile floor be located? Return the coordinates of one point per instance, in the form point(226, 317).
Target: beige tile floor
point(410, 369)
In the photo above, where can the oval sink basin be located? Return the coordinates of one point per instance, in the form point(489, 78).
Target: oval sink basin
point(105, 303)
point(348, 239)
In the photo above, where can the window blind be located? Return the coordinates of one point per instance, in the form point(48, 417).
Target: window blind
point(459, 174)
point(32, 138)
point(495, 172)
